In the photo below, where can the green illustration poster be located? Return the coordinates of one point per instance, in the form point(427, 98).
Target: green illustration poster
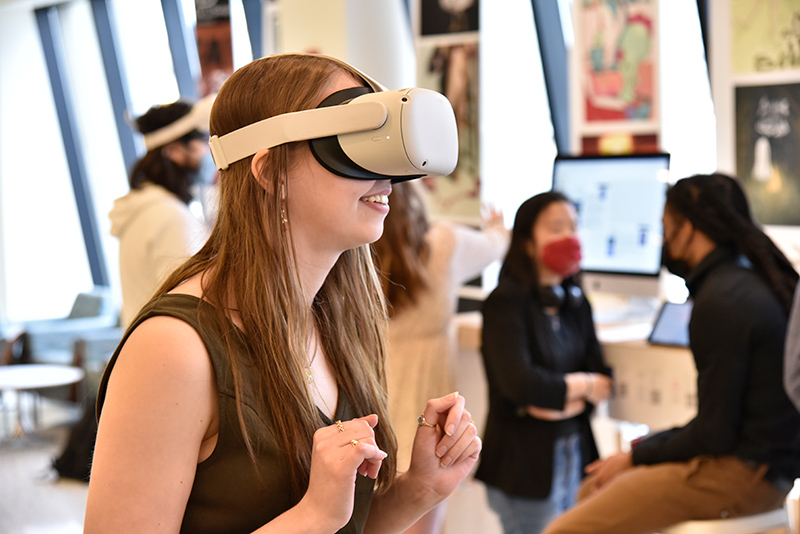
point(617, 50)
point(765, 36)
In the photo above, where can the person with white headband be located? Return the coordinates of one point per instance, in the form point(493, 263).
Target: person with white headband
point(249, 395)
point(154, 224)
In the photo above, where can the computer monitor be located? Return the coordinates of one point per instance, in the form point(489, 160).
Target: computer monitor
point(620, 201)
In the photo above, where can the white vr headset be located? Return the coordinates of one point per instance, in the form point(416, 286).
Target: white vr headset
point(364, 133)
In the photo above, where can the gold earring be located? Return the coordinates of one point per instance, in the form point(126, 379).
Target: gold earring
point(284, 220)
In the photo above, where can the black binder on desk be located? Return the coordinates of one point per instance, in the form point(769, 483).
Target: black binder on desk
point(671, 327)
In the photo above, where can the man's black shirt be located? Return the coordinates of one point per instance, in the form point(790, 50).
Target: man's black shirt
point(736, 334)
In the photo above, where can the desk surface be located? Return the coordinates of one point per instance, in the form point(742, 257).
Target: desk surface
point(38, 376)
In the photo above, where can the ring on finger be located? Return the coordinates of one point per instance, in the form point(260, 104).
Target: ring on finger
point(422, 422)
point(353, 442)
point(340, 426)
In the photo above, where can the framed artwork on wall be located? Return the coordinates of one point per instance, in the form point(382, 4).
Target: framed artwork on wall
point(767, 154)
point(447, 44)
point(614, 77)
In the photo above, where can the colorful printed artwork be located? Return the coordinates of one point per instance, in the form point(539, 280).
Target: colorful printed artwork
point(767, 155)
point(438, 17)
point(448, 62)
point(214, 46)
point(616, 42)
point(765, 36)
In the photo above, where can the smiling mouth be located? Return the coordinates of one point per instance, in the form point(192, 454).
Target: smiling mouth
point(377, 199)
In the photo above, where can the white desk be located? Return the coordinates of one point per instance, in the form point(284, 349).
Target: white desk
point(653, 385)
point(29, 378)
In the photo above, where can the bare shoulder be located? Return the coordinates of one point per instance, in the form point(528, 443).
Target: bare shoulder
point(166, 344)
point(159, 411)
point(192, 286)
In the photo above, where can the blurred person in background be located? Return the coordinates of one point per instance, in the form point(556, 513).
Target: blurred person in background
point(423, 265)
point(156, 228)
point(545, 371)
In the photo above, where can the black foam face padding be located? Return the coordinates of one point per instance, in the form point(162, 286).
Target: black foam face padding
point(329, 153)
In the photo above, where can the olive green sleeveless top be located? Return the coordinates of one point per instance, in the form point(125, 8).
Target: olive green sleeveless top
point(227, 495)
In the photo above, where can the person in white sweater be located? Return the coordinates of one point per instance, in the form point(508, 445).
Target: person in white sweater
point(156, 229)
point(423, 265)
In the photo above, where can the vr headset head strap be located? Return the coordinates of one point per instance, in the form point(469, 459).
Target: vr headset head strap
point(360, 132)
point(299, 125)
point(296, 126)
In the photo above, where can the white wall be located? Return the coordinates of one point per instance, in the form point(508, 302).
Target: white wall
point(372, 36)
point(517, 137)
point(688, 123)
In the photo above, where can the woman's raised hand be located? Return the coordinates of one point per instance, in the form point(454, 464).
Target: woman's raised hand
point(446, 446)
point(340, 452)
point(490, 215)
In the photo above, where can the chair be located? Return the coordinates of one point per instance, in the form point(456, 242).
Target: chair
point(751, 524)
point(52, 340)
point(94, 316)
point(16, 348)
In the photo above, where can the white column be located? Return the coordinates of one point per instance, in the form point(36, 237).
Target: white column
point(372, 36)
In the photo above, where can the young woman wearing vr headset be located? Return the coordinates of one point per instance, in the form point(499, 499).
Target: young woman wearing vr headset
point(249, 394)
point(157, 230)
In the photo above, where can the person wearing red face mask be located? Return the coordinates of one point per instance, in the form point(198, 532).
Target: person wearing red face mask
point(545, 371)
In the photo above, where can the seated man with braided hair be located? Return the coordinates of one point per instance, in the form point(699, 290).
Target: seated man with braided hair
point(741, 452)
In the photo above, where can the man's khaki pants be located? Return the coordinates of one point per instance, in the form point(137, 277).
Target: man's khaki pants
point(646, 499)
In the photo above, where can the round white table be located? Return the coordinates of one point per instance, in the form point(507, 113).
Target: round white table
point(30, 378)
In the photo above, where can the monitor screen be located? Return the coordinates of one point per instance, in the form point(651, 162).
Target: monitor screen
point(620, 201)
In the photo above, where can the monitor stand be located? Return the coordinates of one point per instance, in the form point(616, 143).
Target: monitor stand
point(612, 309)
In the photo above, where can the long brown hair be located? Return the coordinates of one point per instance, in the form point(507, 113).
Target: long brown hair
point(249, 269)
point(402, 251)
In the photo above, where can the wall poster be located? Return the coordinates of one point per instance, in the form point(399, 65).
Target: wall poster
point(614, 76)
point(447, 41)
point(767, 154)
point(214, 46)
point(765, 36)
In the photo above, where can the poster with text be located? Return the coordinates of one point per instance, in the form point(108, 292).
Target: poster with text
point(765, 36)
point(768, 151)
point(615, 73)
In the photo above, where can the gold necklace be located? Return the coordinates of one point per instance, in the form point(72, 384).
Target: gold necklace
point(307, 368)
point(310, 380)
